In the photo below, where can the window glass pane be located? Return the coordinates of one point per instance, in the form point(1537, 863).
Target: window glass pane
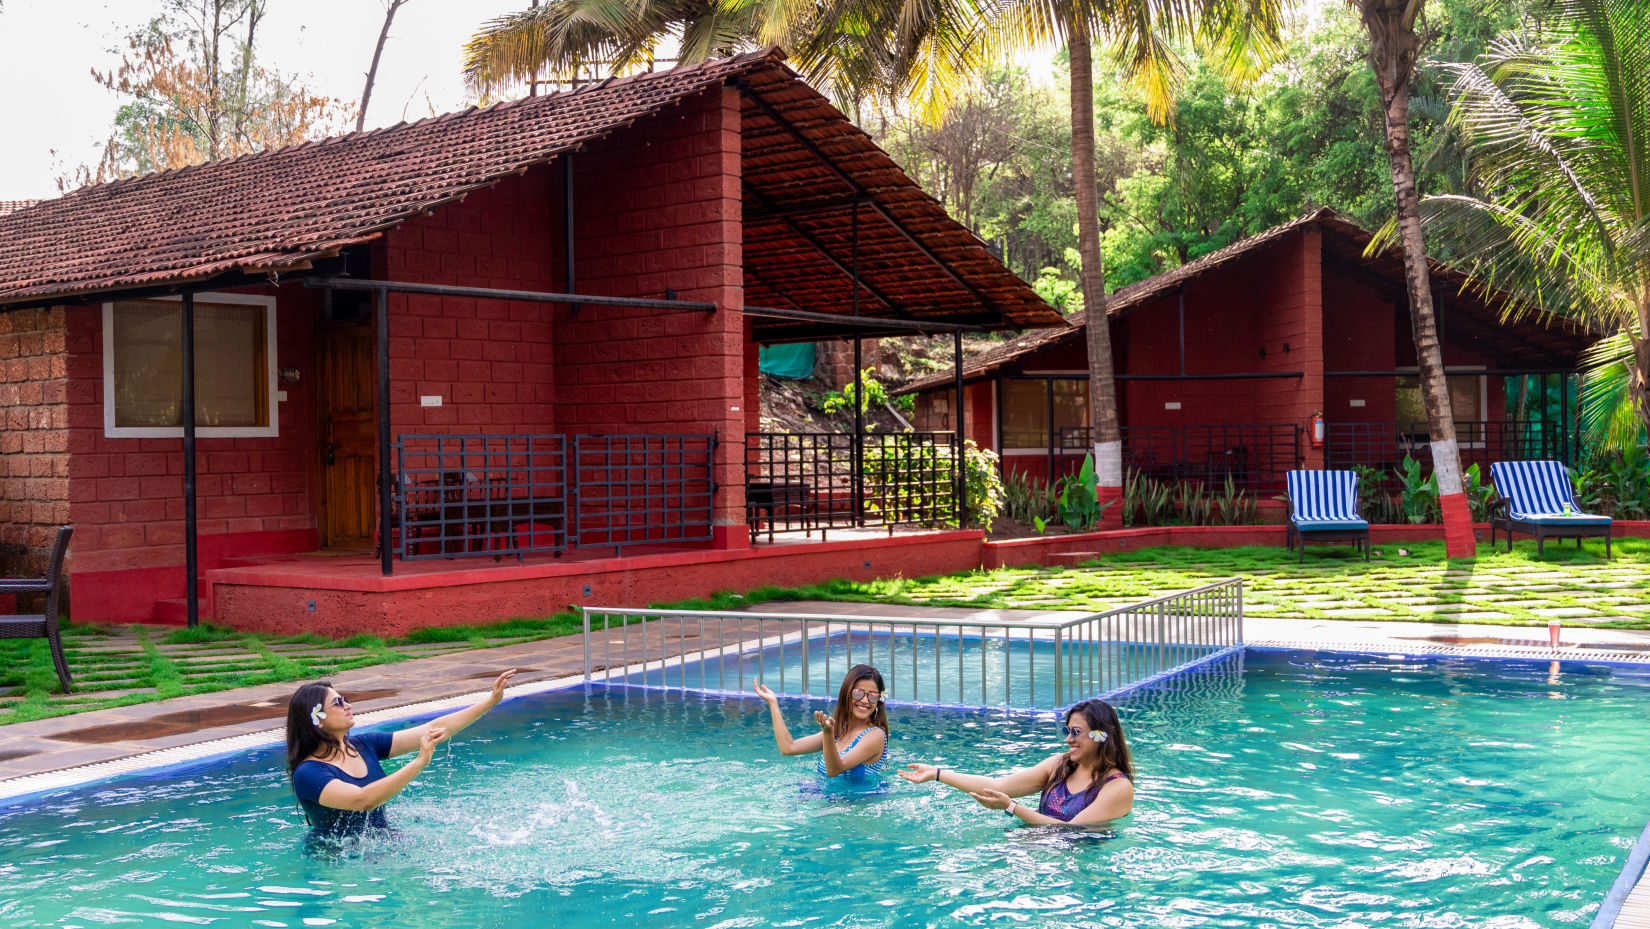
point(1466, 398)
point(147, 363)
point(1025, 414)
point(1071, 408)
point(229, 373)
point(231, 364)
point(1466, 401)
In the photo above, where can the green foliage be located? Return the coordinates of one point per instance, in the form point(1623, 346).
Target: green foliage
point(1418, 494)
point(1233, 506)
point(1027, 500)
point(1150, 502)
point(876, 393)
point(1375, 502)
point(1616, 484)
point(983, 490)
point(1078, 498)
point(1479, 494)
point(1146, 502)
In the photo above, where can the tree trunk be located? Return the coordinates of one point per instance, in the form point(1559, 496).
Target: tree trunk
point(1103, 424)
point(254, 13)
point(1394, 47)
point(1638, 377)
point(372, 71)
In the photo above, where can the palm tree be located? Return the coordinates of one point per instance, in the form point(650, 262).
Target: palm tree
point(927, 52)
point(1394, 47)
point(1559, 137)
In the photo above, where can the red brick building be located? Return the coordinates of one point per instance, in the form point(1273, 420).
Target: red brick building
point(728, 203)
point(1222, 365)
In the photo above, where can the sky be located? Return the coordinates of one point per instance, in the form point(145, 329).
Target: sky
point(54, 117)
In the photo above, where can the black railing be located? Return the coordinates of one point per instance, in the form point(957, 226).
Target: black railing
point(642, 489)
point(800, 482)
point(1255, 456)
point(470, 495)
point(1383, 446)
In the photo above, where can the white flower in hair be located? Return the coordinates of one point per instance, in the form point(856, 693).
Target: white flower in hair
point(318, 713)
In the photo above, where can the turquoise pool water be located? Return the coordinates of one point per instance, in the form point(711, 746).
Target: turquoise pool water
point(1303, 789)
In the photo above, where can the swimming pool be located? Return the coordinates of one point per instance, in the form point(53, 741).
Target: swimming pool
point(1279, 788)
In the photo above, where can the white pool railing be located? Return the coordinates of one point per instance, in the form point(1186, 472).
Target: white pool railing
point(1076, 658)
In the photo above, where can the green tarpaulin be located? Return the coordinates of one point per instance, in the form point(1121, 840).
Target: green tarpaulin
point(788, 360)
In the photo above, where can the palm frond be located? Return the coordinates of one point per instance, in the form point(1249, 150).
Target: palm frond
point(1606, 397)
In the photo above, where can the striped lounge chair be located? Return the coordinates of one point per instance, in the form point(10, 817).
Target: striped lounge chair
point(1534, 498)
point(1323, 507)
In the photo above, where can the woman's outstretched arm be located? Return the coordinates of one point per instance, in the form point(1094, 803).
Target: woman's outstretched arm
point(343, 796)
point(1014, 784)
point(806, 745)
point(408, 739)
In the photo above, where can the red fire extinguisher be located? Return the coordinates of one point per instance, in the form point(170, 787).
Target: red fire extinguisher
point(1317, 429)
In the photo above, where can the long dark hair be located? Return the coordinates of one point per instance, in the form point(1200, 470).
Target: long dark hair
point(1114, 751)
point(845, 700)
point(303, 738)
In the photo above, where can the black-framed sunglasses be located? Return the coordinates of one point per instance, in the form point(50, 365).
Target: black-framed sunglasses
point(338, 702)
point(1072, 732)
point(864, 696)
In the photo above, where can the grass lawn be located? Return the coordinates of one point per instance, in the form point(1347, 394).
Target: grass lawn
point(120, 665)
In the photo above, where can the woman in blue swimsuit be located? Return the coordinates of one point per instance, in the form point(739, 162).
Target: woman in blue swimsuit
point(338, 778)
point(852, 740)
point(1091, 782)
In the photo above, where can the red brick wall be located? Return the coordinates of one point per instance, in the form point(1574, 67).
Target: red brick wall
point(1361, 332)
point(490, 361)
point(126, 495)
point(34, 464)
point(659, 207)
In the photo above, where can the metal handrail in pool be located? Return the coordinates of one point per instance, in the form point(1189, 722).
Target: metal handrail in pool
point(1150, 638)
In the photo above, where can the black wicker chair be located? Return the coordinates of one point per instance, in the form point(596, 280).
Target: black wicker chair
point(41, 625)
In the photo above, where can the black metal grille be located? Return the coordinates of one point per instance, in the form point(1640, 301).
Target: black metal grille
point(642, 489)
point(1254, 455)
point(799, 482)
point(1383, 446)
point(469, 495)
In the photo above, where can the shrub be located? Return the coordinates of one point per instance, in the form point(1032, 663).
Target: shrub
point(1027, 499)
point(837, 401)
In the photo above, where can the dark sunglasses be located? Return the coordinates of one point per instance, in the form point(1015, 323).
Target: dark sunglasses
point(864, 696)
point(339, 701)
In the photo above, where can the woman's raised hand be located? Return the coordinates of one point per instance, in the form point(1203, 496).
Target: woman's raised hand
point(766, 694)
point(502, 682)
point(825, 722)
point(919, 773)
point(990, 799)
point(432, 737)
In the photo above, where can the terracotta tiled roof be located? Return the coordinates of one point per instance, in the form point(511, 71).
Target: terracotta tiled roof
point(1569, 340)
point(12, 206)
point(279, 211)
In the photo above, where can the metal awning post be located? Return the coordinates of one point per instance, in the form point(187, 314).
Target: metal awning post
point(567, 224)
point(962, 432)
point(859, 390)
point(386, 557)
point(191, 554)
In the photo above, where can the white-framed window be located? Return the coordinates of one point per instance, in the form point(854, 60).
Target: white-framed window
point(1468, 400)
point(234, 367)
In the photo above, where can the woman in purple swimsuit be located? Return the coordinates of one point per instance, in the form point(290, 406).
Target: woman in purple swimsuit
point(1091, 782)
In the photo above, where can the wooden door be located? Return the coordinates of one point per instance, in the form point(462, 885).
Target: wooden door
point(348, 436)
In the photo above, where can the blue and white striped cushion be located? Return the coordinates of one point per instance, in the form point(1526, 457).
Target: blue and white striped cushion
point(1323, 497)
point(1537, 490)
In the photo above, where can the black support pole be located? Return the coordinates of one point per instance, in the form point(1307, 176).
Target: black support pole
point(1049, 430)
point(859, 390)
point(386, 557)
point(962, 432)
point(567, 224)
point(191, 554)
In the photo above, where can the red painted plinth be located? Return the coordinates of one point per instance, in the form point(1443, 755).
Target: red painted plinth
point(340, 597)
point(1458, 529)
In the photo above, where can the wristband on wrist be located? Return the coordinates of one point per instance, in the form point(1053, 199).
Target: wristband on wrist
point(1010, 808)
point(937, 775)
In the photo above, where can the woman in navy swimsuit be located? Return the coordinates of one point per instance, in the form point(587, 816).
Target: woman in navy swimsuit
point(1091, 782)
point(851, 741)
point(338, 777)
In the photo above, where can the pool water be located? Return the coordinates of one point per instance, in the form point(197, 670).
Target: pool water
point(1286, 789)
